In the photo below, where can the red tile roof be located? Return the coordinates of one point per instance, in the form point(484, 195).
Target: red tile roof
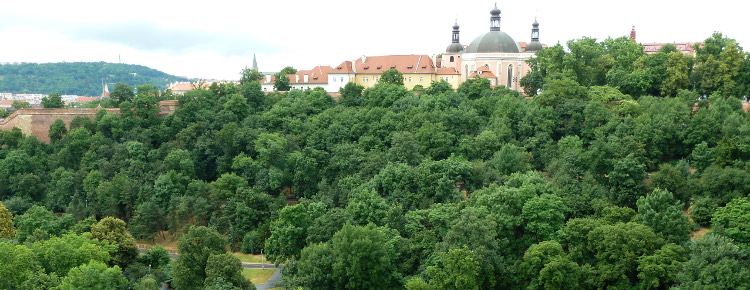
point(405, 64)
point(344, 68)
point(447, 71)
point(317, 75)
point(482, 72)
point(86, 99)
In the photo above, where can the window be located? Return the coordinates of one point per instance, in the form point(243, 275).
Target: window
point(409, 79)
point(452, 59)
point(364, 79)
point(421, 79)
point(333, 79)
point(377, 79)
point(510, 75)
point(342, 79)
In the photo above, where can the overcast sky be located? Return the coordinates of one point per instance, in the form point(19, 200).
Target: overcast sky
point(217, 38)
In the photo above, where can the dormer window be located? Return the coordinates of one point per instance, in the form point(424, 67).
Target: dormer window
point(380, 66)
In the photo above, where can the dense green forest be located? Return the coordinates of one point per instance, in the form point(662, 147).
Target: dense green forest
point(599, 181)
point(77, 78)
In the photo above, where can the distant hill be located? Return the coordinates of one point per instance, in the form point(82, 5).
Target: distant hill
point(77, 78)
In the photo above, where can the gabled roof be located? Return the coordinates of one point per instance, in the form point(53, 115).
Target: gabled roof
point(482, 72)
point(406, 64)
point(447, 71)
point(317, 75)
point(344, 68)
point(182, 87)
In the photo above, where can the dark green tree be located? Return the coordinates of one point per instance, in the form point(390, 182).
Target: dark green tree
point(660, 211)
point(122, 93)
point(351, 94)
point(392, 76)
point(52, 101)
point(57, 130)
point(714, 261)
point(227, 267)
point(439, 87)
point(364, 258)
point(195, 247)
point(248, 75)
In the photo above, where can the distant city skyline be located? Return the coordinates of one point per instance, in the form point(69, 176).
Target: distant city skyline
point(216, 39)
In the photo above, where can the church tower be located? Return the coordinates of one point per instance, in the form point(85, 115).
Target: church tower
point(534, 45)
point(632, 34)
point(455, 46)
point(495, 19)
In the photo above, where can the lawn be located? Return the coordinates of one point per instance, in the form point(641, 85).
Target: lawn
point(257, 276)
point(248, 258)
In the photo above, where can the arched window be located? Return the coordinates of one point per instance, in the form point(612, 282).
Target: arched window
point(452, 58)
point(510, 75)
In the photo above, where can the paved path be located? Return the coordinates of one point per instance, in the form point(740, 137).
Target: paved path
point(244, 265)
point(274, 281)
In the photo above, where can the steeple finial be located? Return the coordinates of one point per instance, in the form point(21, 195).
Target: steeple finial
point(495, 19)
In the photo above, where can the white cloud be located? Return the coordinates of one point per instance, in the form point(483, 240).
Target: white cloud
point(215, 39)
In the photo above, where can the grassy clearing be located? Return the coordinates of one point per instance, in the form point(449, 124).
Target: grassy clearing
point(248, 258)
point(257, 276)
point(699, 233)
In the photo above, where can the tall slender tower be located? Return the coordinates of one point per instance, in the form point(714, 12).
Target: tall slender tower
point(534, 45)
point(495, 19)
point(632, 34)
point(255, 63)
point(455, 46)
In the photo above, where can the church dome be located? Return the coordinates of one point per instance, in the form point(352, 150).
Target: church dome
point(534, 46)
point(493, 41)
point(454, 48)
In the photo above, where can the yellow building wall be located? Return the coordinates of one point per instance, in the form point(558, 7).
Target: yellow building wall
point(454, 80)
point(410, 80)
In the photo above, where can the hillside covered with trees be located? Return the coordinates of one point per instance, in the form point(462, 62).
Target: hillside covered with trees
point(77, 78)
point(599, 181)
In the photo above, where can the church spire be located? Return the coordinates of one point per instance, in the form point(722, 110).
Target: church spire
point(255, 63)
point(455, 32)
point(455, 46)
point(495, 19)
point(534, 45)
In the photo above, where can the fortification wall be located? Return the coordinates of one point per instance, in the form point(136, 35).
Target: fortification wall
point(36, 122)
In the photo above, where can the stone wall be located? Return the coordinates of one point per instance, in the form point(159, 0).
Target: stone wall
point(36, 122)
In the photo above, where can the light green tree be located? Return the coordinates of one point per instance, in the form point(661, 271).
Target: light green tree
point(456, 269)
point(733, 220)
point(7, 230)
point(17, 262)
point(94, 275)
point(392, 76)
